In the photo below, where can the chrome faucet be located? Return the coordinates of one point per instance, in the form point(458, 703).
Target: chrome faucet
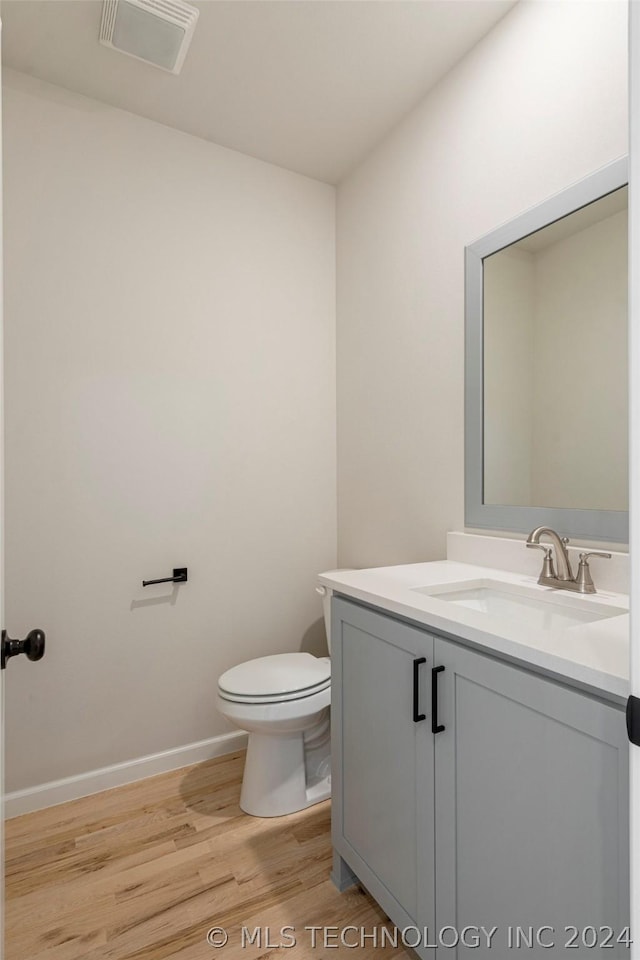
point(564, 579)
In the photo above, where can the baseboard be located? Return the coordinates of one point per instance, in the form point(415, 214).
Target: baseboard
point(95, 781)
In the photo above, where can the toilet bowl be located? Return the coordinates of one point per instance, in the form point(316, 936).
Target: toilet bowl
point(282, 701)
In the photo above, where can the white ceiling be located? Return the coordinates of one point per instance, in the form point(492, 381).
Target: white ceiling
point(310, 85)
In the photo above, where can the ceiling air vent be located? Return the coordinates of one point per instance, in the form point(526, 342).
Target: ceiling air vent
point(156, 31)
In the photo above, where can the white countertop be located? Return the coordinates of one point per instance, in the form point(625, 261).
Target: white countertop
point(593, 654)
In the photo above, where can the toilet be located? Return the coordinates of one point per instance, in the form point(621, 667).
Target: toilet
point(282, 701)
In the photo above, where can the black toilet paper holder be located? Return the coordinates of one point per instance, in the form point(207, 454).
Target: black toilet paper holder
point(179, 576)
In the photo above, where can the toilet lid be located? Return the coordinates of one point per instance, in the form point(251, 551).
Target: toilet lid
point(277, 676)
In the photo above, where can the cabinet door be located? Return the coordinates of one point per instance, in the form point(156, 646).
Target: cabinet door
point(531, 810)
point(382, 760)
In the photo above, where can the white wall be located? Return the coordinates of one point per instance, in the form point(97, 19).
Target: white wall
point(170, 391)
point(536, 105)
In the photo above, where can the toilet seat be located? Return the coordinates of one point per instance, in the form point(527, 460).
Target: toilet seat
point(276, 679)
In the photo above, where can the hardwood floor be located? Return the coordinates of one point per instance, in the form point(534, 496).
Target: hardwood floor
point(142, 872)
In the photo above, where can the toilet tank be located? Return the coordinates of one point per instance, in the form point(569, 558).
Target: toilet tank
point(325, 593)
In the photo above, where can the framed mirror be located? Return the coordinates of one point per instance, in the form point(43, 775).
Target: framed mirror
point(546, 386)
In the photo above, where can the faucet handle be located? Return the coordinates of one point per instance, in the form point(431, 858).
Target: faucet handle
point(584, 579)
point(548, 569)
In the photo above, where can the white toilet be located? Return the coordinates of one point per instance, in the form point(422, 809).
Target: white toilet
point(283, 702)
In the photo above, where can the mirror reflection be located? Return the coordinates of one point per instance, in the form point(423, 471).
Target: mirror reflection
point(555, 363)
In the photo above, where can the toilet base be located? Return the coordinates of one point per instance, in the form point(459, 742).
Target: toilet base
point(281, 777)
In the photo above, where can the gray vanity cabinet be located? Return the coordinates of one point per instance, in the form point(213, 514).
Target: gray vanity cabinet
point(513, 816)
point(531, 811)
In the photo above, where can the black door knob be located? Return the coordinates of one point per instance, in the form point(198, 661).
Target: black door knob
point(32, 646)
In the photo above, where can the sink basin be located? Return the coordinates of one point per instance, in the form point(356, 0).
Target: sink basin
point(544, 609)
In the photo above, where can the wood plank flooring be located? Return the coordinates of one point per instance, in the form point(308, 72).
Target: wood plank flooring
point(142, 872)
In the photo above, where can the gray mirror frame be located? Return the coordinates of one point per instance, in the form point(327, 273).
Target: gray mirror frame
point(610, 525)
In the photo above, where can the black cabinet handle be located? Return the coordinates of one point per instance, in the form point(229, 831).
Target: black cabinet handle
point(417, 716)
point(435, 726)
